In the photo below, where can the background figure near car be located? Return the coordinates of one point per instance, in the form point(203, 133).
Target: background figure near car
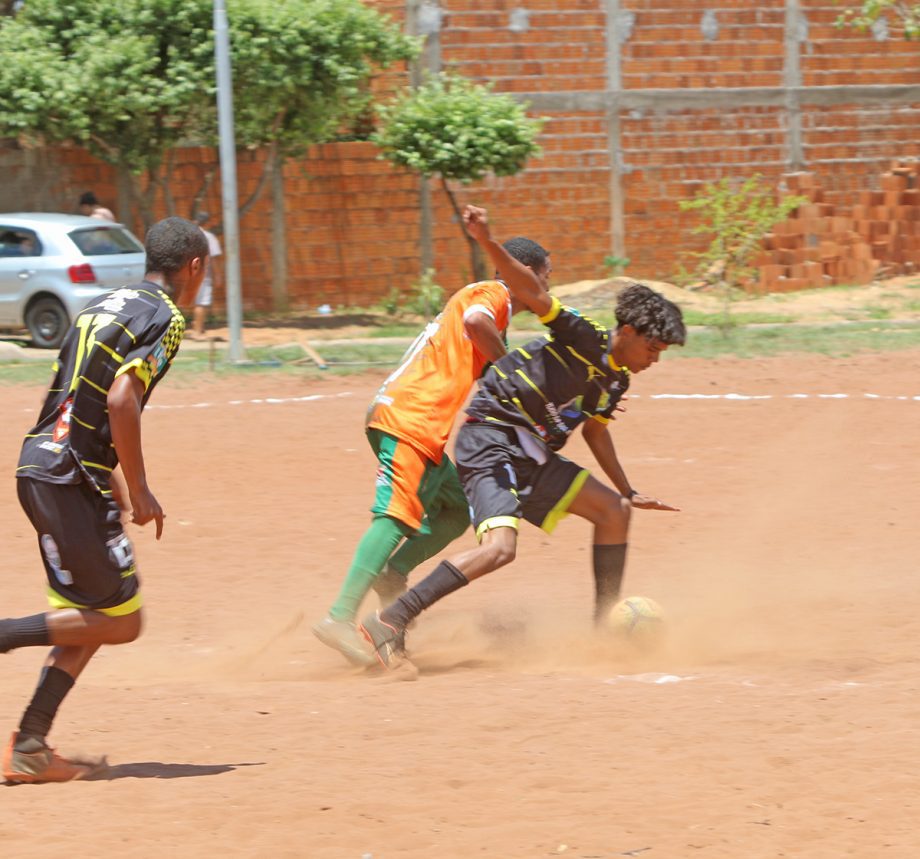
point(212, 277)
point(91, 207)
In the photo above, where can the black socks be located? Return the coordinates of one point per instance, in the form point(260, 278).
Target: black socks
point(609, 563)
point(53, 687)
point(24, 632)
point(443, 580)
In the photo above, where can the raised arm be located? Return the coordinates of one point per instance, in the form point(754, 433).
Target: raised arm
point(519, 278)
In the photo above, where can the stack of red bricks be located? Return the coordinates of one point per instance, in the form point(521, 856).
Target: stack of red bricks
point(821, 246)
point(890, 218)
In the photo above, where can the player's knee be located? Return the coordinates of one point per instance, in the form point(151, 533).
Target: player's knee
point(625, 511)
point(127, 628)
point(502, 553)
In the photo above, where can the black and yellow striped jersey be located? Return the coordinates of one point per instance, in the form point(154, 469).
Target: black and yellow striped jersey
point(554, 383)
point(136, 329)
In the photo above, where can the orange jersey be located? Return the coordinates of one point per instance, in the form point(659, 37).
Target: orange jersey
point(420, 399)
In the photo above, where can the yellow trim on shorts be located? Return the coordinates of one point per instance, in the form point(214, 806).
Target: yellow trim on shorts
point(561, 510)
point(55, 600)
point(600, 419)
point(497, 522)
point(554, 310)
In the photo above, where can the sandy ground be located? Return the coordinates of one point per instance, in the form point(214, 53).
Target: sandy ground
point(779, 719)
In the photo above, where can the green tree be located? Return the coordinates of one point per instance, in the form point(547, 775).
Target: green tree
point(131, 80)
point(128, 81)
point(302, 71)
point(906, 15)
point(457, 130)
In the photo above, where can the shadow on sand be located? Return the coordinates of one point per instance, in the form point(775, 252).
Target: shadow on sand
point(155, 769)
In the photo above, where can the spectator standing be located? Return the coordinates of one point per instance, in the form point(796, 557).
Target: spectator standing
point(90, 206)
point(212, 276)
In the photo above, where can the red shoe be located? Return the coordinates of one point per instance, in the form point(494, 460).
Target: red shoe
point(45, 765)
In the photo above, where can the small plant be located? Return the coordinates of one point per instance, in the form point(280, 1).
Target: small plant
point(391, 302)
point(616, 264)
point(737, 217)
point(426, 298)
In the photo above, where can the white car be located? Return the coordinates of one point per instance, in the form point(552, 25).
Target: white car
point(52, 265)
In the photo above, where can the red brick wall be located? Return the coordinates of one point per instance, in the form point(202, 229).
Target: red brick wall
point(353, 222)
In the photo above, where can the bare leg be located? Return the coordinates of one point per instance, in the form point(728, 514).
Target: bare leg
point(199, 314)
point(77, 634)
point(607, 510)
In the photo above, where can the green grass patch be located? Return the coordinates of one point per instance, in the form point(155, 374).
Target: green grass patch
point(751, 341)
point(26, 373)
point(833, 340)
point(719, 320)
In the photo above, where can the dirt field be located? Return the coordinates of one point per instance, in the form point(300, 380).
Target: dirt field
point(780, 720)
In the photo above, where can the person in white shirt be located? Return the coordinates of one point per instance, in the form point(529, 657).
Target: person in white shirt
point(212, 277)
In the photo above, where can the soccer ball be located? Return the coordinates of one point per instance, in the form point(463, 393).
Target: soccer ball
point(638, 619)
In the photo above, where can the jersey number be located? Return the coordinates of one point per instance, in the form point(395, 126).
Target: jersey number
point(87, 325)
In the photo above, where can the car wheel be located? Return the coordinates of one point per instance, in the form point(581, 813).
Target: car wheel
point(47, 322)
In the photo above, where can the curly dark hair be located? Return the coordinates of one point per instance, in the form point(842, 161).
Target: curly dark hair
point(651, 314)
point(171, 243)
point(527, 252)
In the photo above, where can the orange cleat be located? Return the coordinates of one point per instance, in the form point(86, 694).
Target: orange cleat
point(45, 765)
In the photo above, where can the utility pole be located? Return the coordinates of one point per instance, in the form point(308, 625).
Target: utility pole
point(229, 198)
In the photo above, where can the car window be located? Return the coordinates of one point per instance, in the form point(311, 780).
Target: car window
point(19, 242)
point(102, 241)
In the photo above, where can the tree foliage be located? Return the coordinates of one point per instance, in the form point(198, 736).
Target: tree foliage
point(868, 13)
point(303, 67)
point(457, 130)
point(132, 79)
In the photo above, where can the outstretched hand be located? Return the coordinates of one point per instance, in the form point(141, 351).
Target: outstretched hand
point(646, 502)
point(476, 221)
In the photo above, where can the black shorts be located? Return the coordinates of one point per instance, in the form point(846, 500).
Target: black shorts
point(88, 558)
point(504, 485)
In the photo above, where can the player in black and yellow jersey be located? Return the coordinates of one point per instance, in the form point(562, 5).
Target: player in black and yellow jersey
point(529, 403)
point(118, 349)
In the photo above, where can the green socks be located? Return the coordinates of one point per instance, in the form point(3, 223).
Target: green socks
point(446, 525)
point(375, 548)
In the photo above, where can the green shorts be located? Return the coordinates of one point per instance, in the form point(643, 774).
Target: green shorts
point(409, 486)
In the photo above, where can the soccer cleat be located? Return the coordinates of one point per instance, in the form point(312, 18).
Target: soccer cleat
point(343, 636)
point(45, 765)
point(389, 643)
point(389, 586)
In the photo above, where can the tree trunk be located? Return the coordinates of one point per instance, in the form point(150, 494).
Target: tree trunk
point(124, 210)
point(477, 259)
point(279, 240)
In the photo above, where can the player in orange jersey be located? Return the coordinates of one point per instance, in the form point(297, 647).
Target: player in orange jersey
point(419, 502)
